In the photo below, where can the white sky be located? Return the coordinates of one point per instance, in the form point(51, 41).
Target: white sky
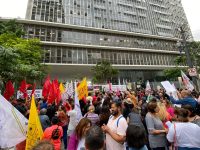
point(17, 8)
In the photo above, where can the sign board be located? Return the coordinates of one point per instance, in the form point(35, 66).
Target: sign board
point(38, 93)
point(192, 72)
point(170, 89)
point(114, 88)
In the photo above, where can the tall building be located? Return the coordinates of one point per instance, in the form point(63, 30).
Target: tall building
point(137, 36)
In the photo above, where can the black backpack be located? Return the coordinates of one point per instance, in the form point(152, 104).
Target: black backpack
point(55, 134)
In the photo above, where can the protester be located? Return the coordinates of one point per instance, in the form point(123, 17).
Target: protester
point(44, 119)
point(116, 128)
point(127, 107)
point(156, 130)
point(136, 138)
point(54, 133)
point(169, 107)
point(63, 118)
point(44, 145)
point(186, 99)
point(184, 134)
point(163, 114)
point(72, 121)
point(94, 139)
point(192, 116)
point(134, 118)
point(77, 139)
point(104, 115)
point(92, 116)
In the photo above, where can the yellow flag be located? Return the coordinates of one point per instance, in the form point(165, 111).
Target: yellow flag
point(35, 132)
point(62, 89)
point(82, 89)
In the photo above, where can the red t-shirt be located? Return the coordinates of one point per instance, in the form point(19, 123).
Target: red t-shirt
point(48, 133)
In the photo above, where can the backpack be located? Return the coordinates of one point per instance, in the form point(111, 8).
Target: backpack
point(55, 134)
point(117, 119)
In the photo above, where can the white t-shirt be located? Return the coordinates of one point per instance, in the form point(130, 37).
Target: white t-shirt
point(111, 144)
point(81, 144)
point(72, 120)
point(187, 135)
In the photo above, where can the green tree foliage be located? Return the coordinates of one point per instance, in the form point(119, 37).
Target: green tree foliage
point(172, 74)
point(8, 63)
point(103, 71)
point(25, 55)
point(11, 27)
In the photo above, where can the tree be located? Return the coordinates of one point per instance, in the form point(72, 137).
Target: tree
point(8, 61)
point(103, 72)
point(25, 55)
point(172, 74)
point(11, 26)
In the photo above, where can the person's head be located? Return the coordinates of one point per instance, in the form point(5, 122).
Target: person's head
point(94, 139)
point(82, 127)
point(181, 115)
point(105, 110)
point(166, 103)
point(135, 136)
point(54, 120)
point(185, 93)
point(190, 109)
point(43, 111)
point(91, 109)
point(152, 107)
point(116, 108)
point(44, 145)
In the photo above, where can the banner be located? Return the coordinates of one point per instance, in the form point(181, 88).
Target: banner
point(82, 89)
point(38, 93)
point(13, 125)
point(35, 132)
point(186, 81)
point(115, 88)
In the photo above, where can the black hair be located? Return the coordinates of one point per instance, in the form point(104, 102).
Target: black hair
point(151, 106)
point(94, 139)
point(135, 136)
point(117, 103)
point(55, 120)
point(190, 109)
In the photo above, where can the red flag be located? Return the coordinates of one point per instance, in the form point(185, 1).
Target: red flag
point(57, 92)
point(33, 89)
point(9, 91)
point(23, 88)
point(54, 92)
point(51, 95)
point(46, 87)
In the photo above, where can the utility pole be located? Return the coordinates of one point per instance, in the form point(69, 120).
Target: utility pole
point(186, 50)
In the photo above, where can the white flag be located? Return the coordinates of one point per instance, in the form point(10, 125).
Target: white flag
point(70, 89)
point(79, 115)
point(148, 88)
point(186, 81)
point(13, 125)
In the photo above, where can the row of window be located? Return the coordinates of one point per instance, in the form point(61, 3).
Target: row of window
point(117, 15)
point(91, 56)
point(96, 38)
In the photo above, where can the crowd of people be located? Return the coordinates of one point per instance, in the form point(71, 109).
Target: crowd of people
point(120, 121)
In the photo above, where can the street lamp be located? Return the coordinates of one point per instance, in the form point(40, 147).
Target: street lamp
point(183, 46)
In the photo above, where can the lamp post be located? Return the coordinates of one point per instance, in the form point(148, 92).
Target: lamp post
point(183, 45)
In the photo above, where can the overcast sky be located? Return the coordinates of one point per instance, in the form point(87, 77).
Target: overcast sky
point(17, 8)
